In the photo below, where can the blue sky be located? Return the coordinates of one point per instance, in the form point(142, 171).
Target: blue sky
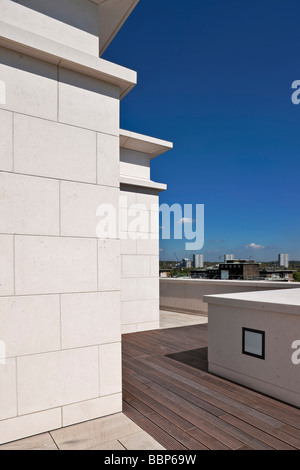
point(215, 78)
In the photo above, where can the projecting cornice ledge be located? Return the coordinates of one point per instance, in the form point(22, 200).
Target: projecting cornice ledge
point(144, 144)
point(25, 42)
point(142, 183)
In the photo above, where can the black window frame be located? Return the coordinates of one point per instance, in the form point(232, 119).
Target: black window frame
point(263, 334)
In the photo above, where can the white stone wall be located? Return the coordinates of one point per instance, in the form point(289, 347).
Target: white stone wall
point(140, 260)
point(66, 293)
point(74, 23)
point(59, 284)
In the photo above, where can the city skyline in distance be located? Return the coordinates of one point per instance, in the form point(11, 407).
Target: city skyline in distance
point(221, 257)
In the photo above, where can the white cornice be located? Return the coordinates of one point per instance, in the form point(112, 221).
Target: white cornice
point(144, 144)
point(142, 183)
point(25, 42)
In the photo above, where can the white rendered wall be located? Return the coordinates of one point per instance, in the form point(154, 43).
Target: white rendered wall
point(277, 315)
point(59, 284)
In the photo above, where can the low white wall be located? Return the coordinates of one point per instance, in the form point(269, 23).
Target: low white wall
point(275, 313)
point(186, 295)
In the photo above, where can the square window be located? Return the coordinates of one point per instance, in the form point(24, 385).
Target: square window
point(254, 343)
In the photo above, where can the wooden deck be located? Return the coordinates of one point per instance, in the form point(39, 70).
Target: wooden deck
point(169, 393)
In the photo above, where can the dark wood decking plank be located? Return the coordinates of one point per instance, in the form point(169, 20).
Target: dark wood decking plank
point(222, 431)
point(167, 386)
point(278, 410)
point(181, 436)
point(220, 435)
point(163, 438)
point(160, 340)
point(257, 433)
point(239, 395)
point(136, 402)
point(207, 439)
point(136, 396)
point(259, 420)
point(166, 425)
point(291, 430)
point(188, 389)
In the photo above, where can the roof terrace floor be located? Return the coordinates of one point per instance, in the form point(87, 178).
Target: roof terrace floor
point(169, 393)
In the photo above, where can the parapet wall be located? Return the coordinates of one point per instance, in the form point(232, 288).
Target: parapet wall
point(186, 295)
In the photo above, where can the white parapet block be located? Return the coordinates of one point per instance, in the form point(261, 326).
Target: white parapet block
point(253, 339)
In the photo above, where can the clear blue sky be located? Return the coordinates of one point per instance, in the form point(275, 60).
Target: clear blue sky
point(215, 77)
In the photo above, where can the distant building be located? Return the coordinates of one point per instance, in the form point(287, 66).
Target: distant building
point(186, 263)
point(198, 261)
point(228, 258)
point(239, 269)
point(277, 274)
point(199, 274)
point(283, 260)
point(232, 270)
point(164, 273)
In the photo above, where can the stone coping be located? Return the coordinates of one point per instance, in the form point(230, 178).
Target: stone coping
point(34, 45)
point(279, 284)
point(143, 143)
point(279, 301)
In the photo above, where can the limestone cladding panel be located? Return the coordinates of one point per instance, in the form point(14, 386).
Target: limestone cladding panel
point(30, 85)
point(54, 150)
point(29, 205)
point(6, 140)
point(89, 319)
point(57, 378)
point(30, 324)
point(87, 102)
point(79, 206)
point(46, 265)
point(7, 265)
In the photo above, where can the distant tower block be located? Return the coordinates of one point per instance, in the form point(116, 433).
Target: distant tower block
point(283, 260)
point(198, 261)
